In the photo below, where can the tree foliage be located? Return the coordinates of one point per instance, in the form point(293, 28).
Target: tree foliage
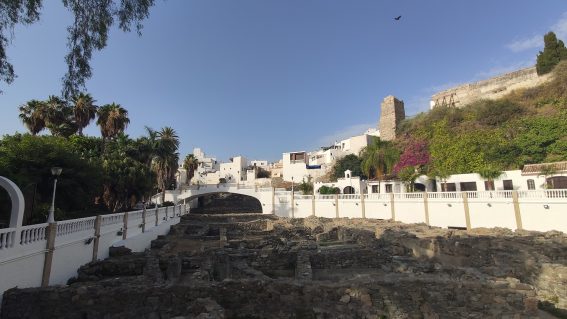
point(415, 154)
point(350, 162)
point(553, 52)
point(306, 187)
point(379, 158)
point(27, 160)
point(328, 190)
point(190, 164)
point(92, 22)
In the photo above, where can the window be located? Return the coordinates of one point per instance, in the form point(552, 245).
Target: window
point(508, 185)
point(448, 187)
point(489, 185)
point(375, 189)
point(468, 187)
point(388, 188)
point(531, 184)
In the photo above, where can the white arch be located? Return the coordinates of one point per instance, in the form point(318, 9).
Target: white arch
point(264, 197)
point(18, 203)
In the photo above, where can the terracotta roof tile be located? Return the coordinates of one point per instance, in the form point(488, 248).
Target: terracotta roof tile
point(535, 169)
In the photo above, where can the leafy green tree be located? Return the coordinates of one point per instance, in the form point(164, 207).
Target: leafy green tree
point(306, 186)
point(33, 114)
point(92, 22)
point(112, 119)
point(534, 137)
point(350, 162)
point(553, 52)
point(408, 174)
point(326, 190)
point(127, 182)
point(27, 160)
point(378, 159)
point(84, 110)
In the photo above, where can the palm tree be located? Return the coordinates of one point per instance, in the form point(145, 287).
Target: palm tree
point(33, 114)
point(84, 110)
point(59, 117)
point(112, 119)
point(147, 146)
point(190, 164)
point(378, 159)
point(166, 159)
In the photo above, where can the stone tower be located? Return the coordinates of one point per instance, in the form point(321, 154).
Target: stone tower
point(392, 113)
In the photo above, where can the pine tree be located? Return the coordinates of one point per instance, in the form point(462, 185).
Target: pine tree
point(553, 52)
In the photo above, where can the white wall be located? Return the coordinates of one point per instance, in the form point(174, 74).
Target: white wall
point(22, 258)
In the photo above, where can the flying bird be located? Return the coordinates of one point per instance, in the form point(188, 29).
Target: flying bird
point(397, 18)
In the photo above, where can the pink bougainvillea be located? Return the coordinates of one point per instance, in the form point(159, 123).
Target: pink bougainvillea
point(415, 154)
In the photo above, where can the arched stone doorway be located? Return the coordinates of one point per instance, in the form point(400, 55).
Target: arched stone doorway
point(557, 182)
point(348, 190)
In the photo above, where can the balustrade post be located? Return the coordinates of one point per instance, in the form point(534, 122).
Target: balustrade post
point(362, 205)
point(273, 200)
point(392, 207)
point(337, 205)
point(426, 207)
point(467, 211)
point(313, 205)
point(97, 223)
point(144, 218)
point(125, 227)
point(50, 248)
point(517, 210)
point(292, 204)
point(157, 215)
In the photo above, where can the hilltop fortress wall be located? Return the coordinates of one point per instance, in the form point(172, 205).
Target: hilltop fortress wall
point(492, 88)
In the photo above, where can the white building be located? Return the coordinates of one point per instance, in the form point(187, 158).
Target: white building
point(260, 163)
point(276, 169)
point(296, 167)
point(207, 169)
point(529, 178)
point(353, 145)
point(235, 170)
point(347, 185)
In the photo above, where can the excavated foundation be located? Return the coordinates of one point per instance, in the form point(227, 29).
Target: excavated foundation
point(261, 266)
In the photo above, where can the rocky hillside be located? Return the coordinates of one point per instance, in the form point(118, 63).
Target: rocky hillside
point(526, 126)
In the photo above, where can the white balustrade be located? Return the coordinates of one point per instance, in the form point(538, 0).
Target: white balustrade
point(68, 227)
point(112, 219)
point(7, 238)
point(33, 233)
point(134, 215)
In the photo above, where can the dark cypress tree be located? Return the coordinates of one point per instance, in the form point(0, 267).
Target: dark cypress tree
point(553, 52)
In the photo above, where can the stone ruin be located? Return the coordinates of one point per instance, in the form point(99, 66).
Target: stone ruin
point(261, 266)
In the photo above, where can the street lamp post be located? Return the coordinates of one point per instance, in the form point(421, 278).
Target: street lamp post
point(55, 171)
point(292, 184)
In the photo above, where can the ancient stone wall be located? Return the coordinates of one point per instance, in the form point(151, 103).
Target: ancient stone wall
point(492, 88)
point(391, 114)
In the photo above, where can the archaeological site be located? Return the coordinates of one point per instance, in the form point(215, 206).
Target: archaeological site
point(249, 265)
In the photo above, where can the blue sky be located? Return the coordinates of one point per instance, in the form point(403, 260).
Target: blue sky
point(261, 77)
